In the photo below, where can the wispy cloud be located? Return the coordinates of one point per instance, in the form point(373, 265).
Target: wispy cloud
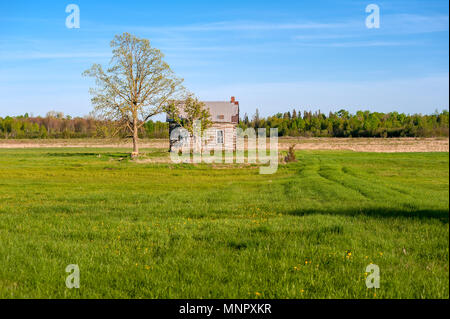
point(392, 27)
point(362, 44)
point(52, 55)
point(237, 26)
point(324, 36)
point(414, 23)
point(392, 23)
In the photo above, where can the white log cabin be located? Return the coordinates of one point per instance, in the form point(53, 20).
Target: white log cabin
point(222, 133)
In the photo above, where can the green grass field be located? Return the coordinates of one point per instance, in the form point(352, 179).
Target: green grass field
point(185, 231)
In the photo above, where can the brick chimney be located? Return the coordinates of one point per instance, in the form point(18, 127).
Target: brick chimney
point(233, 101)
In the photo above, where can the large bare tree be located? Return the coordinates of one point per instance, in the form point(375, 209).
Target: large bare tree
point(137, 84)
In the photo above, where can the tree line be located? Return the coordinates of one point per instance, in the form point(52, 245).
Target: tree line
point(295, 123)
point(345, 124)
point(56, 125)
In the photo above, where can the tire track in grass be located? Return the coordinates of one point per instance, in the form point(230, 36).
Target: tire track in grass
point(399, 190)
point(370, 189)
point(326, 172)
point(312, 171)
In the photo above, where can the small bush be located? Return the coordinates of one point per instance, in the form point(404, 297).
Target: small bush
point(290, 157)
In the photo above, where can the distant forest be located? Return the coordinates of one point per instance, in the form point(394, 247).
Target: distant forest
point(308, 124)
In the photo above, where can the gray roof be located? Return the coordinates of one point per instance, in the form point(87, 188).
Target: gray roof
point(227, 110)
point(222, 112)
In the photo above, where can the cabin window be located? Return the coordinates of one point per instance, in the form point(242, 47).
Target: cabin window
point(219, 134)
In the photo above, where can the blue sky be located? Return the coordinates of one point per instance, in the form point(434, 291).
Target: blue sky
point(272, 55)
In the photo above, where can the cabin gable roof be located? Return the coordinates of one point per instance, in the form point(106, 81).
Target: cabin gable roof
point(221, 111)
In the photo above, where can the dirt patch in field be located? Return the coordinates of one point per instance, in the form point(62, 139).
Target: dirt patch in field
point(352, 144)
point(73, 143)
point(388, 145)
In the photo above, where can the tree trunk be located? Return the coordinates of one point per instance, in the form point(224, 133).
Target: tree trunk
point(135, 140)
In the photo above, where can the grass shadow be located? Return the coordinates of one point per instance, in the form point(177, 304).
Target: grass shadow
point(382, 212)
